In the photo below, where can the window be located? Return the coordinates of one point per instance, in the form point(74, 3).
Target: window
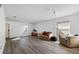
point(64, 27)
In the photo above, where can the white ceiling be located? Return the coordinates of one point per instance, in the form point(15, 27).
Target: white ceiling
point(38, 12)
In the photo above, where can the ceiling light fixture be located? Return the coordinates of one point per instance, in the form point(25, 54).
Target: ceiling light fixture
point(52, 12)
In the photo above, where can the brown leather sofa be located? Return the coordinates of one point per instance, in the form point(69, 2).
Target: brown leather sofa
point(34, 34)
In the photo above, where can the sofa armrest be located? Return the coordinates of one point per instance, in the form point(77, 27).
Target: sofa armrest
point(73, 41)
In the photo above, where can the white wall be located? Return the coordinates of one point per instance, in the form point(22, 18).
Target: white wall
point(74, 22)
point(52, 24)
point(2, 29)
point(46, 26)
point(17, 28)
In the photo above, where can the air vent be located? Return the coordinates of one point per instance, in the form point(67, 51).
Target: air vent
point(14, 16)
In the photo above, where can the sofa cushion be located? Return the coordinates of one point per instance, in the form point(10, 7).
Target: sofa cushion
point(44, 33)
point(51, 35)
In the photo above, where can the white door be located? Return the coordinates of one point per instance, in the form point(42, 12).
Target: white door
point(7, 30)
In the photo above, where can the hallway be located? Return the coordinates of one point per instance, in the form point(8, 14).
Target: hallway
point(33, 45)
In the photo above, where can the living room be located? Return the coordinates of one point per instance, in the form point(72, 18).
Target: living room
point(32, 28)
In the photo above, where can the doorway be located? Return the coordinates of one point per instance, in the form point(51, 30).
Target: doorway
point(7, 31)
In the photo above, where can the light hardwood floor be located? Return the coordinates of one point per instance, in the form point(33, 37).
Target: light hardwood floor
point(33, 45)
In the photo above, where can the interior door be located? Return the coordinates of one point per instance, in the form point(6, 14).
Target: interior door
point(7, 30)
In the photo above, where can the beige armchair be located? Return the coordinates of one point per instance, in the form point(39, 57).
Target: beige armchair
point(69, 41)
